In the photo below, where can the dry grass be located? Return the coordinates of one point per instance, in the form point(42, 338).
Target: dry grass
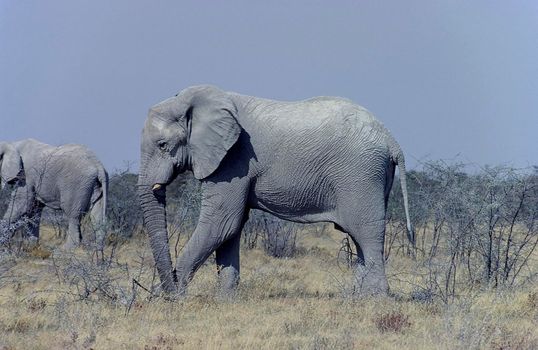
point(283, 304)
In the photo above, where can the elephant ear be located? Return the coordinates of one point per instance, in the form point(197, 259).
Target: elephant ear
point(214, 130)
point(10, 163)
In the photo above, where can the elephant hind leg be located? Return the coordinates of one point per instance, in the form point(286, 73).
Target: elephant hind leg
point(75, 204)
point(74, 235)
point(363, 218)
point(98, 222)
point(370, 275)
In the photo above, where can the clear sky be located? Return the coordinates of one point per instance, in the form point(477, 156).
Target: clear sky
point(448, 78)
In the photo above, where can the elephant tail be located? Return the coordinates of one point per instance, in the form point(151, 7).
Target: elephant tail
point(398, 158)
point(102, 176)
point(98, 211)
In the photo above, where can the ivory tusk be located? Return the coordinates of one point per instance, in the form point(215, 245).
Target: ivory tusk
point(156, 187)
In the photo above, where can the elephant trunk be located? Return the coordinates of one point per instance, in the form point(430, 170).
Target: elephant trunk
point(153, 208)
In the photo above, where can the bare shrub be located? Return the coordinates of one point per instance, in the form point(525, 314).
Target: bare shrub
point(278, 237)
point(253, 230)
point(55, 219)
point(280, 240)
point(347, 255)
point(88, 277)
point(9, 228)
point(393, 321)
point(94, 276)
point(123, 207)
point(472, 229)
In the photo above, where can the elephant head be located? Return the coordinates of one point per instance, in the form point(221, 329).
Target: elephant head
point(10, 163)
point(190, 131)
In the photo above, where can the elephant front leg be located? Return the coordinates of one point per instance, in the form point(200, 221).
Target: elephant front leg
point(18, 211)
point(227, 259)
point(219, 228)
point(207, 238)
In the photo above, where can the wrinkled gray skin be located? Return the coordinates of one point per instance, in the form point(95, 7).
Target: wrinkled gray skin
point(68, 177)
point(320, 160)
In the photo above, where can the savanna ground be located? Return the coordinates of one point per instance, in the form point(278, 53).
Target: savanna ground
point(470, 282)
point(50, 300)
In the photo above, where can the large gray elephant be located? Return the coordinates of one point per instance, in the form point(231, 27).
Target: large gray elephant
point(68, 177)
point(325, 159)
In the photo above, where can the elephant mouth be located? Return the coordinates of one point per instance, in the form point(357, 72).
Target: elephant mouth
point(19, 179)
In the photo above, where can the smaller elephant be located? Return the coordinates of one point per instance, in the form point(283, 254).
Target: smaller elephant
point(68, 177)
point(10, 164)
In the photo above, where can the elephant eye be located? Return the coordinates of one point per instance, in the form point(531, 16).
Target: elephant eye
point(162, 145)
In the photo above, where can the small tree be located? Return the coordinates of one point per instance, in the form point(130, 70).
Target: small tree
point(123, 207)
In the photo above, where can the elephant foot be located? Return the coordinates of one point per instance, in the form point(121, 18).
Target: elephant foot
point(371, 289)
point(370, 281)
point(168, 293)
point(228, 280)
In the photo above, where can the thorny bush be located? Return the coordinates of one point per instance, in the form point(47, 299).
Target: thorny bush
point(473, 229)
